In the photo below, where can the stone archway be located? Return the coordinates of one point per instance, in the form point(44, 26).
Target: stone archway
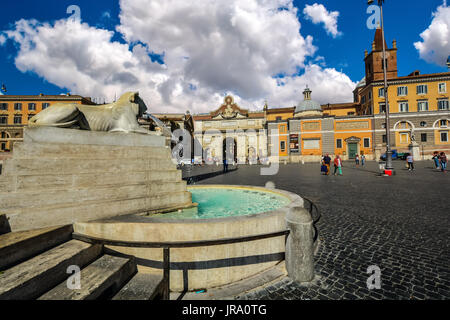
point(229, 149)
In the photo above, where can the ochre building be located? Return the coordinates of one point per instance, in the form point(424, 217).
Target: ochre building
point(15, 111)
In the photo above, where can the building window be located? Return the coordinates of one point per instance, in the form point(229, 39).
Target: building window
point(443, 104)
point(3, 119)
point(3, 146)
point(279, 118)
point(338, 143)
point(3, 106)
point(403, 107)
point(382, 107)
point(384, 138)
point(404, 137)
point(422, 105)
point(4, 135)
point(45, 105)
point(363, 99)
point(32, 107)
point(444, 136)
point(283, 146)
point(283, 128)
point(443, 123)
point(17, 107)
point(17, 119)
point(423, 137)
point(370, 95)
point(442, 87)
point(385, 63)
point(422, 89)
point(383, 125)
point(366, 143)
point(404, 125)
point(423, 124)
point(402, 91)
point(311, 144)
point(381, 92)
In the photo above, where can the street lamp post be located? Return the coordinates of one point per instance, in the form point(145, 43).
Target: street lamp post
point(388, 127)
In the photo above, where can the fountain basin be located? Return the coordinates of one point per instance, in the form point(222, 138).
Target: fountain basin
point(211, 266)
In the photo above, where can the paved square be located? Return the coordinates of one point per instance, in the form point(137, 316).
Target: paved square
point(400, 224)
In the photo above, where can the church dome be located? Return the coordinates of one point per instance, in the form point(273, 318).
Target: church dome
point(307, 104)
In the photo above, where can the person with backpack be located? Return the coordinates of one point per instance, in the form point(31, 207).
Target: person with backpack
point(443, 161)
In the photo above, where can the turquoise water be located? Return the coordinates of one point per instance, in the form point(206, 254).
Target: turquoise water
point(232, 202)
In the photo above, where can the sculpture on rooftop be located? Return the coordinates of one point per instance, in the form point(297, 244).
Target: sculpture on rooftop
point(120, 116)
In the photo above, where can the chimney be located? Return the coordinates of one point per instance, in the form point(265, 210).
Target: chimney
point(394, 44)
point(365, 53)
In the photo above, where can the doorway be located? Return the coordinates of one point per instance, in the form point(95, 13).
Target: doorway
point(352, 150)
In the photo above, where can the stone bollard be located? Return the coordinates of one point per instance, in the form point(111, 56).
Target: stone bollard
point(300, 245)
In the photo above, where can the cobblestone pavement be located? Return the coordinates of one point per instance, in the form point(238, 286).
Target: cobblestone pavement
point(400, 223)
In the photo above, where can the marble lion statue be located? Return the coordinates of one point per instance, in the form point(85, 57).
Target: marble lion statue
point(120, 116)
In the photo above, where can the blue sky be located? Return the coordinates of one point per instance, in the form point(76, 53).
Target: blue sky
point(343, 53)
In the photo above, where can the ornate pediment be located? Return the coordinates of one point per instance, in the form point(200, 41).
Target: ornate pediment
point(353, 139)
point(229, 110)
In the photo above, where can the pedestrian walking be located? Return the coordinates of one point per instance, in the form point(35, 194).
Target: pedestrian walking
point(443, 161)
point(327, 163)
point(435, 158)
point(410, 162)
point(363, 159)
point(357, 160)
point(338, 165)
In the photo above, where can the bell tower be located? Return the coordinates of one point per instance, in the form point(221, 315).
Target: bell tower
point(374, 59)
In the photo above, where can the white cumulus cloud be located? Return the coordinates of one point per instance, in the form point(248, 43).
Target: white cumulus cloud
point(317, 13)
point(250, 49)
point(435, 44)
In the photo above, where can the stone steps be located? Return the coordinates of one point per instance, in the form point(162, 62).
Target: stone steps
point(83, 180)
point(42, 150)
point(59, 214)
point(36, 198)
point(76, 166)
point(61, 176)
point(16, 247)
point(34, 277)
point(44, 274)
point(103, 277)
point(141, 287)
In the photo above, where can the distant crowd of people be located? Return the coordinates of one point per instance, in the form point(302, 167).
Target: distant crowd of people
point(439, 159)
point(326, 164)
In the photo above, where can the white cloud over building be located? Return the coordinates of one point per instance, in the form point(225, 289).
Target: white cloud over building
point(251, 49)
